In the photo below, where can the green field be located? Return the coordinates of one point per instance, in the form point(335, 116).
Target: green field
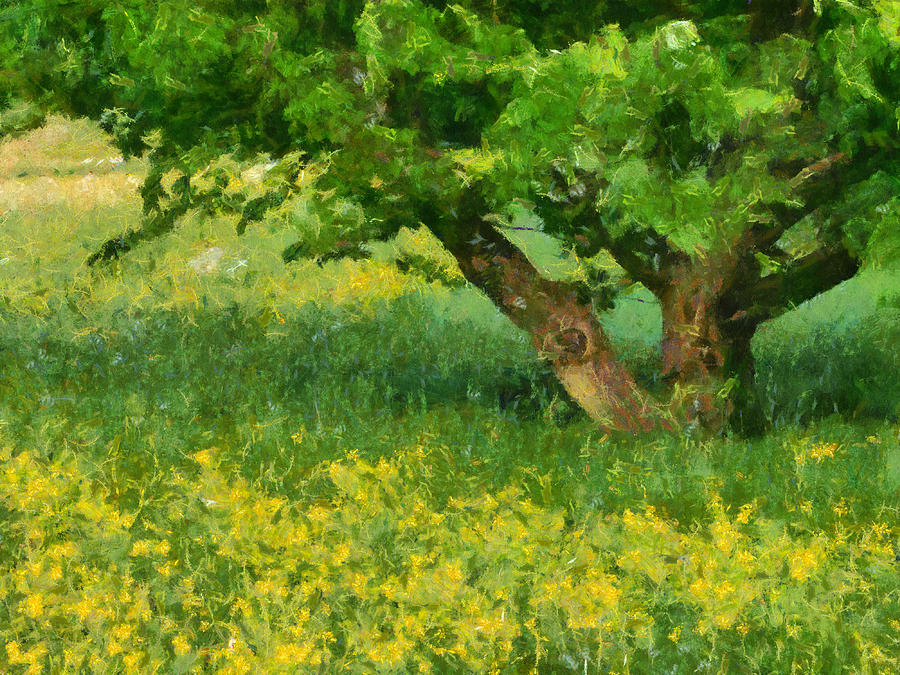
point(216, 462)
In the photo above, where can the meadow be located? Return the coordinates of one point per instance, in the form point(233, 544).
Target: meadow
point(213, 461)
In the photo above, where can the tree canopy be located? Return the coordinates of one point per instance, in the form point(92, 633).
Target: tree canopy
point(736, 159)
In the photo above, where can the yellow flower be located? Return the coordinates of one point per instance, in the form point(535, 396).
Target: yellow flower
point(242, 606)
point(723, 621)
point(633, 522)
point(266, 586)
point(724, 535)
point(341, 554)
point(181, 645)
point(140, 547)
point(725, 589)
point(454, 573)
point(460, 649)
point(744, 516)
point(840, 509)
point(318, 514)
point(375, 654)
point(675, 634)
point(821, 450)
point(71, 658)
point(13, 653)
point(744, 557)
point(133, 660)
point(636, 556)
point(124, 520)
point(385, 470)
point(123, 631)
point(286, 654)
point(190, 600)
point(84, 608)
point(802, 563)
point(880, 530)
point(358, 583)
point(817, 451)
point(205, 457)
point(33, 605)
point(36, 654)
point(60, 551)
point(166, 569)
point(603, 589)
point(698, 588)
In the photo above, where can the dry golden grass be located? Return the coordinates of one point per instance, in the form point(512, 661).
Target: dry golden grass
point(65, 162)
point(62, 147)
point(32, 194)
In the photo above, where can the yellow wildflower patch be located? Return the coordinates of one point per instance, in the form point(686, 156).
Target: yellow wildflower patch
point(373, 571)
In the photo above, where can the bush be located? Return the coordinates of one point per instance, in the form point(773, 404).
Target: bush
point(839, 368)
point(20, 117)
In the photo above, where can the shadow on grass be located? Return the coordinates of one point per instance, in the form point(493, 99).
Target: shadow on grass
point(222, 377)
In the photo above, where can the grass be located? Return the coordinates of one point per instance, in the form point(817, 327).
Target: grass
point(266, 468)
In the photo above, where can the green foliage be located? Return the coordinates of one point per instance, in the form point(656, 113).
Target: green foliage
point(645, 108)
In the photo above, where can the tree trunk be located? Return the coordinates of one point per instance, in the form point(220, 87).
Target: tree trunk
point(746, 415)
point(706, 349)
point(564, 329)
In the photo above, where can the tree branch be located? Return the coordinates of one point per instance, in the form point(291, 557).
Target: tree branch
point(803, 279)
point(644, 253)
point(815, 184)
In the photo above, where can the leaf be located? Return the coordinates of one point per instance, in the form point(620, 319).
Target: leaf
point(475, 162)
point(182, 664)
point(602, 58)
point(726, 388)
point(747, 101)
point(679, 35)
point(889, 20)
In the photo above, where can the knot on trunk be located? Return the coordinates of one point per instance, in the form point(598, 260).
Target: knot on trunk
point(570, 343)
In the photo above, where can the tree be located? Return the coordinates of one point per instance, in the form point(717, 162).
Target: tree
point(734, 159)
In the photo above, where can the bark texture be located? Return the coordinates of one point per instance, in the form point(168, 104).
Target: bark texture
point(706, 346)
